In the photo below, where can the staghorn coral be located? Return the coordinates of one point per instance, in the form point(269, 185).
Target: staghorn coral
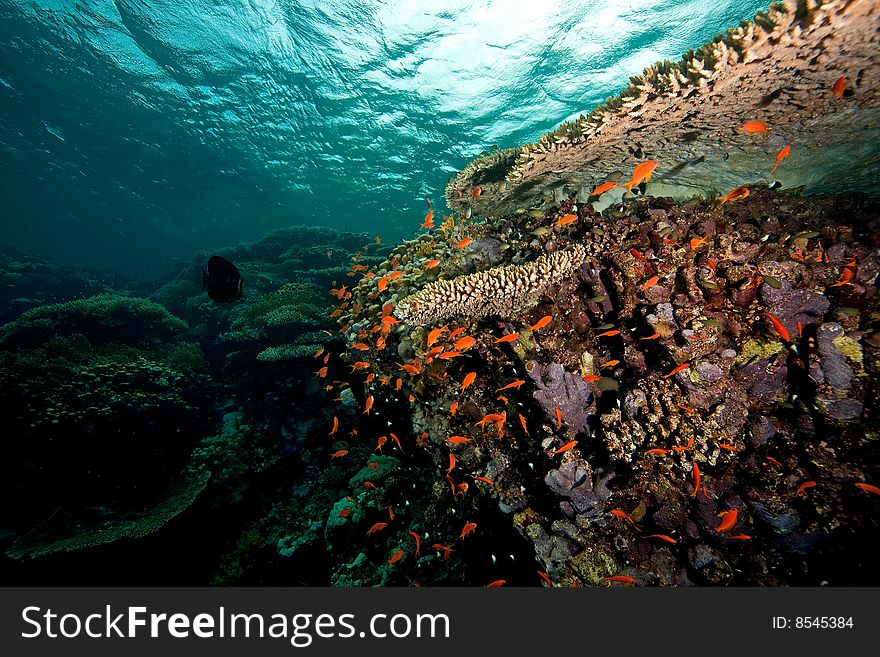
point(778, 68)
point(504, 291)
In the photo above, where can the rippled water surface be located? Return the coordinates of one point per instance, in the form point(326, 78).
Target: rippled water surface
point(135, 132)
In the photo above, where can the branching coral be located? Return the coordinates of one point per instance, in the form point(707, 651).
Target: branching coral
point(503, 291)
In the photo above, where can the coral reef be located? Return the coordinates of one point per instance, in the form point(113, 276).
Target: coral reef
point(503, 291)
point(779, 68)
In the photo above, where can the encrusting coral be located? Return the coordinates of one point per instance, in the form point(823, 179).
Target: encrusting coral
point(504, 291)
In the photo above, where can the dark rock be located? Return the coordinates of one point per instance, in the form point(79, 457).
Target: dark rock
point(782, 523)
point(837, 371)
point(568, 392)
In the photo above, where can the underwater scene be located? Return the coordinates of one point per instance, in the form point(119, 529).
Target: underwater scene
point(455, 293)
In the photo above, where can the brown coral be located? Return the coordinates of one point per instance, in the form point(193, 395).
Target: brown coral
point(503, 291)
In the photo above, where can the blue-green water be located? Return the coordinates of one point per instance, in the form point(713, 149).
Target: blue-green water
point(133, 133)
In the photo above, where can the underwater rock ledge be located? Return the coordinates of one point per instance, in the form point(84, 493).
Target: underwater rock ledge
point(778, 68)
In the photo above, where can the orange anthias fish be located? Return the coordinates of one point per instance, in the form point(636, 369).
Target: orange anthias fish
point(335, 426)
point(475, 193)
point(780, 156)
point(802, 489)
point(417, 540)
point(541, 323)
point(510, 337)
point(445, 549)
point(755, 128)
point(845, 277)
point(468, 380)
point(496, 584)
point(604, 187)
point(429, 220)
point(485, 480)
point(458, 440)
point(610, 363)
point(453, 408)
point(321, 373)
point(338, 454)
point(467, 529)
point(676, 370)
point(608, 334)
point(868, 488)
point(735, 195)
point(566, 220)
point(623, 515)
point(642, 172)
point(361, 346)
point(515, 384)
point(456, 333)
point(522, 421)
point(620, 579)
point(696, 473)
point(431, 264)
point(651, 282)
point(463, 243)
point(663, 537)
point(451, 463)
point(658, 450)
point(379, 526)
point(368, 405)
point(558, 418)
point(397, 556)
point(780, 329)
point(464, 343)
point(567, 446)
point(589, 378)
point(728, 520)
point(839, 87)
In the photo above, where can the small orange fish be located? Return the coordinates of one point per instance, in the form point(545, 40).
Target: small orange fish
point(456, 333)
point(338, 454)
point(545, 578)
point(620, 579)
point(398, 384)
point(496, 584)
point(322, 373)
point(429, 220)
point(451, 463)
point(380, 443)
point(390, 512)
point(417, 540)
point(604, 187)
point(515, 384)
point(663, 537)
point(786, 150)
point(335, 426)
point(485, 480)
point(868, 488)
point(839, 87)
point(361, 346)
point(475, 193)
point(780, 329)
point(345, 512)
point(463, 243)
point(467, 529)
point(735, 195)
point(558, 418)
point(379, 526)
point(368, 405)
point(522, 421)
point(676, 370)
point(383, 283)
point(510, 337)
point(469, 378)
point(773, 461)
point(755, 128)
point(728, 520)
point(397, 556)
point(638, 255)
point(541, 323)
point(608, 334)
point(642, 172)
point(566, 220)
point(845, 277)
point(696, 473)
point(687, 409)
point(741, 537)
point(729, 448)
point(458, 440)
point(453, 408)
point(567, 446)
point(802, 489)
point(396, 441)
point(697, 242)
point(431, 264)
point(360, 365)
point(623, 515)
point(370, 484)
point(388, 319)
point(464, 343)
point(651, 282)
point(610, 363)
point(446, 550)
point(446, 355)
point(460, 489)
point(410, 369)
point(589, 378)
point(658, 450)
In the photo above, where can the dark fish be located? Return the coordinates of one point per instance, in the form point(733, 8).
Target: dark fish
point(222, 280)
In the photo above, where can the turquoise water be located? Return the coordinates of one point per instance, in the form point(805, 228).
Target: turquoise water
point(134, 133)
